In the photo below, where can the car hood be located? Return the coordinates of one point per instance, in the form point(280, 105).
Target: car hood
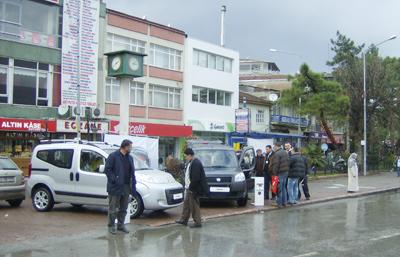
point(211, 172)
point(154, 176)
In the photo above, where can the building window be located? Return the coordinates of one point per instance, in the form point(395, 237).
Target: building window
point(165, 57)
point(31, 83)
point(116, 43)
point(211, 96)
point(30, 22)
point(164, 97)
point(112, 90)
point(212, 61)
point(3, 84)
point(136, 93)
point(260, 117)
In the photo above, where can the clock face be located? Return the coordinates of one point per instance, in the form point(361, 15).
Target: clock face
point(133, 64)
point(116, 63)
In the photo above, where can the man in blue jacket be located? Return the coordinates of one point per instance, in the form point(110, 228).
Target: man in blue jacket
point(121, 182)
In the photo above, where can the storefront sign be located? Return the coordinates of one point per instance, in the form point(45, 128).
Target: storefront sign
point(242, 120)
point(10, 124)
point(80, 41)
point(212, 126)
point(152, 129)
point(70, 126)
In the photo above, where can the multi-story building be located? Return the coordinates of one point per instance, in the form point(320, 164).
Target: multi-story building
point(211, 88)
point(30, 72)
point(156, 100)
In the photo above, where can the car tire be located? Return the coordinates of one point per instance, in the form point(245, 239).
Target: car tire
point(242, 202)
point(15, 203)
point(42, 199)
point(76, 205)
point(137, 207)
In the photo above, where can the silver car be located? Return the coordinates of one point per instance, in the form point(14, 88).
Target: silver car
point(12, 184)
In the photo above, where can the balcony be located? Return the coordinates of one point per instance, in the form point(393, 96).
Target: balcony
point(287, 120)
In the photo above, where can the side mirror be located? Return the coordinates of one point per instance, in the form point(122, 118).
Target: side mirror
point(102, 168)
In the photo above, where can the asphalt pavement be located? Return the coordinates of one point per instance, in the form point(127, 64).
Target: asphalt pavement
point(366, 226)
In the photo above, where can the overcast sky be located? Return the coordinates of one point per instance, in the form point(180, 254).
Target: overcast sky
point(254, 26)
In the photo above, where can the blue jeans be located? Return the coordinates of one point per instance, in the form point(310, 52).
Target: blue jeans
point(293, 188)
point(398, 171)
point(282, 191)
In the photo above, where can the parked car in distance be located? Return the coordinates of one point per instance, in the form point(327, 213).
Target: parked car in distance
point(12, 183)
point(73, 172)
point(227, 177)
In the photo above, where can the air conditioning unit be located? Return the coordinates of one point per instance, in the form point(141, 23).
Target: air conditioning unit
point(97, 113)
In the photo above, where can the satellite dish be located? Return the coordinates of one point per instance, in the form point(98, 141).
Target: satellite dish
point(273, 97)
point(62, 110)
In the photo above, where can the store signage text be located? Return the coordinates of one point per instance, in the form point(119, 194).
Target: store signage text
point(26, 125)
point(70, 126)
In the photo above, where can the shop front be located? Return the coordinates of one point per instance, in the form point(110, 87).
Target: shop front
point(18, 137)
point(170, 136)
point(211, 130)
point(91, 130)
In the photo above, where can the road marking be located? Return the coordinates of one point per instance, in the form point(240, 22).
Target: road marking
point(307, 254)
point(339, 185)
point(332, 187)
point(385, 237)
point(368, 187)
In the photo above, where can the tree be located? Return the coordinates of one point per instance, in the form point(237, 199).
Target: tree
point(382, 83)
point(324, 99)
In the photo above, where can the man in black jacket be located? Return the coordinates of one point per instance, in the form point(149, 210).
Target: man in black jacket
point(267, 173)
point(195, 186)
point(297, 170)
point(121, 182)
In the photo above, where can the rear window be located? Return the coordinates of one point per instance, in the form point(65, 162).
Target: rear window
point(61, 158)
point(7, 164)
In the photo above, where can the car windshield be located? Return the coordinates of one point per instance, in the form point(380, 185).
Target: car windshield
point(140, 159)
point(7, 164)
point(217, 158)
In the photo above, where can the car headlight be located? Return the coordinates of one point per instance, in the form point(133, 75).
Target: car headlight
point(240, 177)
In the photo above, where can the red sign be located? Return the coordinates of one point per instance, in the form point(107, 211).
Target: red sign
point(10, 124)
point(152, 129)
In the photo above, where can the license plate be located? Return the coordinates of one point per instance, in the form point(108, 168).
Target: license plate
point(177, 196)
point(7, 180)
point(220, 189)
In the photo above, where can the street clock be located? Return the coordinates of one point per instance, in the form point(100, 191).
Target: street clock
point(125, 64)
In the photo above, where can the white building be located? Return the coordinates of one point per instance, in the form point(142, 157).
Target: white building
point(211, 88)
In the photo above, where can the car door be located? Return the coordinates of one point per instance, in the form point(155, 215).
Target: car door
point(91, 182)
point(247, 162)
point(57, 164)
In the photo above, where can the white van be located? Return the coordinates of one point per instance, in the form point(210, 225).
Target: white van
point(73, 172)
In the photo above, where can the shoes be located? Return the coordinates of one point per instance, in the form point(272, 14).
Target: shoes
point(184, 223)
point(273, 198)
point(195, 226)
point(112, 230)
point(308, 198)
point(123, 229)
point(280, 206)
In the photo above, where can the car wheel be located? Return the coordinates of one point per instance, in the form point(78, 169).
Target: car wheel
point(76, 205)
point(136, 207)
point(42, 199)
point(242, 202)
point(15, 203)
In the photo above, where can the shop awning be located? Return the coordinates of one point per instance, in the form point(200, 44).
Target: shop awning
point(265, 135)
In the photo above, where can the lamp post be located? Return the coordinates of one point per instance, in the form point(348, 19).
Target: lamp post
point(364, 53)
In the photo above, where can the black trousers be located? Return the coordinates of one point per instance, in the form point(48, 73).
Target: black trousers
point(304, 182)
point(267, 183)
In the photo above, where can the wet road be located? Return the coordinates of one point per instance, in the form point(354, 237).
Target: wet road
point(367, 226)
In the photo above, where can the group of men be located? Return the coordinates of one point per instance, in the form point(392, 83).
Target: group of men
point(284, 170)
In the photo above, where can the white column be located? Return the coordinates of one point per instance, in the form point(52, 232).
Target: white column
point(124, 107)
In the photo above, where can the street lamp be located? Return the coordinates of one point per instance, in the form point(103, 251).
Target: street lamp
point(364, 53)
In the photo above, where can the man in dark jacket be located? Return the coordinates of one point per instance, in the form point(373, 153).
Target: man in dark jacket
point(280, 168)
point(297, 170)
point(260, 164)
point(303, 182)
point(121, 182)
point(267, 173)
point(195, 186)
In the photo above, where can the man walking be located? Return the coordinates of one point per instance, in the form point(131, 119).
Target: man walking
point(121, 182)
point(280, 168)
point(195, 186)
point(267, 173)
point(296, 171)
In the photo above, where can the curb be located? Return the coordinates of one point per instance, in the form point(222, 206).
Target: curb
point(272, 208)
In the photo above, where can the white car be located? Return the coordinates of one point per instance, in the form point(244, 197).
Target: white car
point(73, 172)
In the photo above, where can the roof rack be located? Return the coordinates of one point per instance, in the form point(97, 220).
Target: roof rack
point(76, 140)
point(204, 142)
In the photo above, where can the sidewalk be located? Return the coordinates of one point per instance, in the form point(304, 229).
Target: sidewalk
point(321, 190)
